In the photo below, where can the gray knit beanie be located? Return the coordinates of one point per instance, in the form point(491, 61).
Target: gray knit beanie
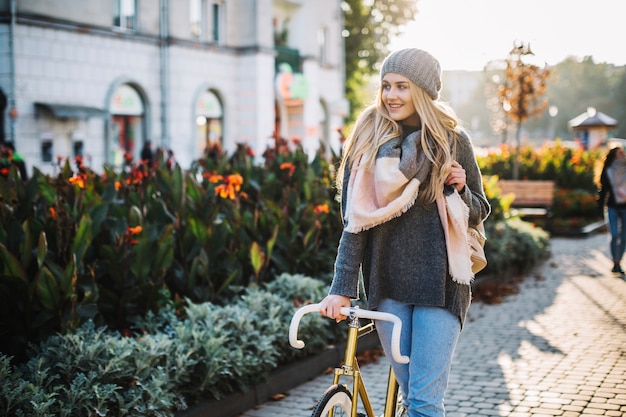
point(418, 66)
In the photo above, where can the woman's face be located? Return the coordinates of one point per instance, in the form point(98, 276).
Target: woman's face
point(396, 95)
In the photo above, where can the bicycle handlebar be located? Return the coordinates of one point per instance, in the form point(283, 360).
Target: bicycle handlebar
point(356, 312)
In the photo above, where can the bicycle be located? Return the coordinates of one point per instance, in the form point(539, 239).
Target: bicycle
point(338, 399)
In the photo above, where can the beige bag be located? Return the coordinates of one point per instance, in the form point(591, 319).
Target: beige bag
point(476, 239)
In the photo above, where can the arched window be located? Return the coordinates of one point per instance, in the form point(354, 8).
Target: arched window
point(209, 123)
point(127, 127)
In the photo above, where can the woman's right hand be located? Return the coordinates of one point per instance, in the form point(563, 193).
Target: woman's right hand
point(331, 305)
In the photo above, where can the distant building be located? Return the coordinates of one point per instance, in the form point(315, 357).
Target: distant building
point(592, 128)
point(100, 78)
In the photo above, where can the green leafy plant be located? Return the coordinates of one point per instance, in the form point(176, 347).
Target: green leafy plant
point(176, 359)
point(83, 246)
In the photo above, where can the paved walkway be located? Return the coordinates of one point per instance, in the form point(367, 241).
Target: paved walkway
point(557, 348)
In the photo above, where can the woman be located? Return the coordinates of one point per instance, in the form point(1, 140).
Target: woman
point(613, 185)
point(403, 165)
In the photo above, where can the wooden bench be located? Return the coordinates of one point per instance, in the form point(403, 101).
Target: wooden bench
point(532, 198)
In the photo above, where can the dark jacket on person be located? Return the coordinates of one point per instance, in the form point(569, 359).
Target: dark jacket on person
point(146, 154)
point(606, 195)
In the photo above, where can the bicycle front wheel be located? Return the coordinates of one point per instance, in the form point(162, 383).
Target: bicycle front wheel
point(337, 399)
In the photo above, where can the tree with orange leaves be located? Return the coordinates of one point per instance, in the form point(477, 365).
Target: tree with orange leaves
point(522, 92)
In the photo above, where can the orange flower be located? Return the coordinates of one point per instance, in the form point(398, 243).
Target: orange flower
point(225, 191)
point(212, 177)
point(576, 158)
point(288, 165)
point(136, 176)
point(78, 180)
point(321, 208)
point(118, 185)
point(130, 232)
point(231, 186)
point(134, 230)
point(53, 213)
point(235, 180)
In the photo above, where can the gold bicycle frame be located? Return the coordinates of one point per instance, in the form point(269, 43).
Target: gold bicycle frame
point(351, 369)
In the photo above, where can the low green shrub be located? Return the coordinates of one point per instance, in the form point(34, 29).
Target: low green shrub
point(174, 359)
point(93, 372)
point(513, 247)
point(575, 203)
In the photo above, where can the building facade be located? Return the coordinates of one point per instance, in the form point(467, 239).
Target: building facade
point(100, 78)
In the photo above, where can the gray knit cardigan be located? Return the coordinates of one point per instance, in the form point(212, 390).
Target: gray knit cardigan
point(405, 258)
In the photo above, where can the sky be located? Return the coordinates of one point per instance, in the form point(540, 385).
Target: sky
point(466, 34)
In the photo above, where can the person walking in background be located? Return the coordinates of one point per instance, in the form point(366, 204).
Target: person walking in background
point(146, 154)
point(8, 157)
point(5, 162)
point(408, 168)
point(612, 193)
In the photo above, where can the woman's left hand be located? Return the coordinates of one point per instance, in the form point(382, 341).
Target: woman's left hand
point(456, 176)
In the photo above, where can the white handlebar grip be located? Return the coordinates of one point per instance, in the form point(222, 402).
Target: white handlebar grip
point(348, 311)
point(395, 333)
point(295, 322)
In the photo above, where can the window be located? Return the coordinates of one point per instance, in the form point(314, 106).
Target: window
point(128, 121)
point(197, 19)
point(205, 17)
point(209, 124)
point(46, 151)
point(79, 147)
point(125, 14)
point(216, 22)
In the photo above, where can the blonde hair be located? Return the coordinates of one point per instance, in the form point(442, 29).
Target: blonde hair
point(375, 127)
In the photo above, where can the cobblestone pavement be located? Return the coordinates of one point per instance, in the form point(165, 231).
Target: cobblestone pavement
point(557, 348)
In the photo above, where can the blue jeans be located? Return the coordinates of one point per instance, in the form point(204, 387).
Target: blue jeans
point(429, 336)
point(617, 226)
